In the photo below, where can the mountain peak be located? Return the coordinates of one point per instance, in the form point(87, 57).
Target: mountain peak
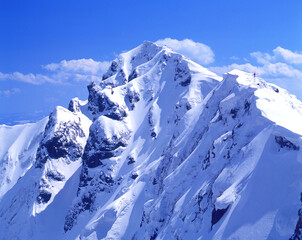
point(274, 103)
point(140, 60)
point(244, 78)
point(162, 149)
point(148, 44)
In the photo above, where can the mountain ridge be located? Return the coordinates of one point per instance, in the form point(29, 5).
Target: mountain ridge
point(162, 149)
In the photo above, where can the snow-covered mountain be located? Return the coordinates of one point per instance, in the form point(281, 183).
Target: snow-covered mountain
point(162, 149)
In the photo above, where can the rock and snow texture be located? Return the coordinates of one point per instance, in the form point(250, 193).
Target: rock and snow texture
point(162, 149)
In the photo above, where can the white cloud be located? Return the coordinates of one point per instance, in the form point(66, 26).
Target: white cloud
point(84, 66)
point(282, 64)
point(28, 78)
point(288, 56)
point(9, 92)
point(279, 55)
point(281, 70)
point(63, 72)
point(271, 70)
point(262, 58)
point(196, 51)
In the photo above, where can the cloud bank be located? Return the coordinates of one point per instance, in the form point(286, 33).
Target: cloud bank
point(62, 73)
point(84, 66)
point(281, 64)
point(279, 55)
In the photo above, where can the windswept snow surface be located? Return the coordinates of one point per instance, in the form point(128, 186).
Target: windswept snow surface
point(162, 149)
point(18, 146)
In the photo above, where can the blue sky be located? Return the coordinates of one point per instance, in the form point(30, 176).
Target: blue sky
point(50, 50)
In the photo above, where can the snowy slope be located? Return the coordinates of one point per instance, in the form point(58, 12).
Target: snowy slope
point(18, 146)
point(57, 156)
point(161, 149)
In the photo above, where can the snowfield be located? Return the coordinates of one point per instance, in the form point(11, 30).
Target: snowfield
point(161, 149)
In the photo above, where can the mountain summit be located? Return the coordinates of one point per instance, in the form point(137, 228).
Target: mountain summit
point(161, 149)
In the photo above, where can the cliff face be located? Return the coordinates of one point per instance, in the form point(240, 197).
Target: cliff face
point(162, 149)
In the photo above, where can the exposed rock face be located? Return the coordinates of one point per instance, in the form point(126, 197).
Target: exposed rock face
point(163, 149)
point(101, 103)
point(182, 73)
point(60, 141)
point(104, 142)
point(62, 145)
point(284, 143)
point(74, 105)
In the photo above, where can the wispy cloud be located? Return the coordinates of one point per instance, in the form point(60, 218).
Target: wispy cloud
point(234, 58)
point(63, 72)
point(268, 70)
point(280, 64)
point(9, 92)
point(84, 66)
point(28, 78)
point(279, 55)
point(196, 51)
